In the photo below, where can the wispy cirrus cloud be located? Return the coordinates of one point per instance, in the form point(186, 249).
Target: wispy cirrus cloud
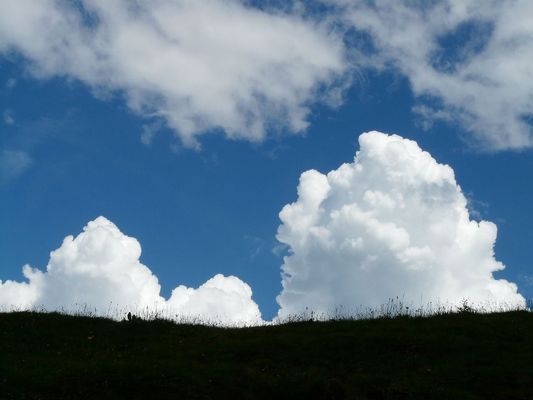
point(228, 66)
point(13, 163)
point(8, 117)
point(23, 139)
point(468, 62)
point(11, 83)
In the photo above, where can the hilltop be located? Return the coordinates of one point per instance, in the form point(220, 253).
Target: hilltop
point(454, 356)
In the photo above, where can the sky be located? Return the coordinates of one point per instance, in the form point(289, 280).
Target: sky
point(396, 138)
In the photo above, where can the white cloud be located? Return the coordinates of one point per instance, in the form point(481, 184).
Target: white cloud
point(13, 163)
point(197, 65)
point(100, 269)
point(8, 117)
point(11, 83)
point(149, 131)
point(392, 223)
point(473, 58)
point(223, 64)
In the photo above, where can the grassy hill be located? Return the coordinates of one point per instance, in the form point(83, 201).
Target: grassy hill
point(455, 356)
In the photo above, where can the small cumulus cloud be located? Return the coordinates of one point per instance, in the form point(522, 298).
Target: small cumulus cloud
point(393, 223)
point(100, 268)
point(279, 249)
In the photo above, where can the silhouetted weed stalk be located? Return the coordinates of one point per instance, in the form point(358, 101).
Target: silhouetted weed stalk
point(393, 308)
point(396, 307)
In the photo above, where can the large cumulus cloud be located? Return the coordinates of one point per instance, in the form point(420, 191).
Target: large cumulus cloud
point(100, 269)
point(392, 223)
point(197, 65)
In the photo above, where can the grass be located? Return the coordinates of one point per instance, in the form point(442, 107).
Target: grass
point(463, 355)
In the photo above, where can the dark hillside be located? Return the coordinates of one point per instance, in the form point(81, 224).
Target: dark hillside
point(455, 356)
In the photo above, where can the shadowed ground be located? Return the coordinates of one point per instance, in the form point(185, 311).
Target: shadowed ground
point(455, 356)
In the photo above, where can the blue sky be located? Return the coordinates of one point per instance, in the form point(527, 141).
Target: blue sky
point(214, 209)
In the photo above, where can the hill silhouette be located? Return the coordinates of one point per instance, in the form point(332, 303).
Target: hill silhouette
point(454, 356)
